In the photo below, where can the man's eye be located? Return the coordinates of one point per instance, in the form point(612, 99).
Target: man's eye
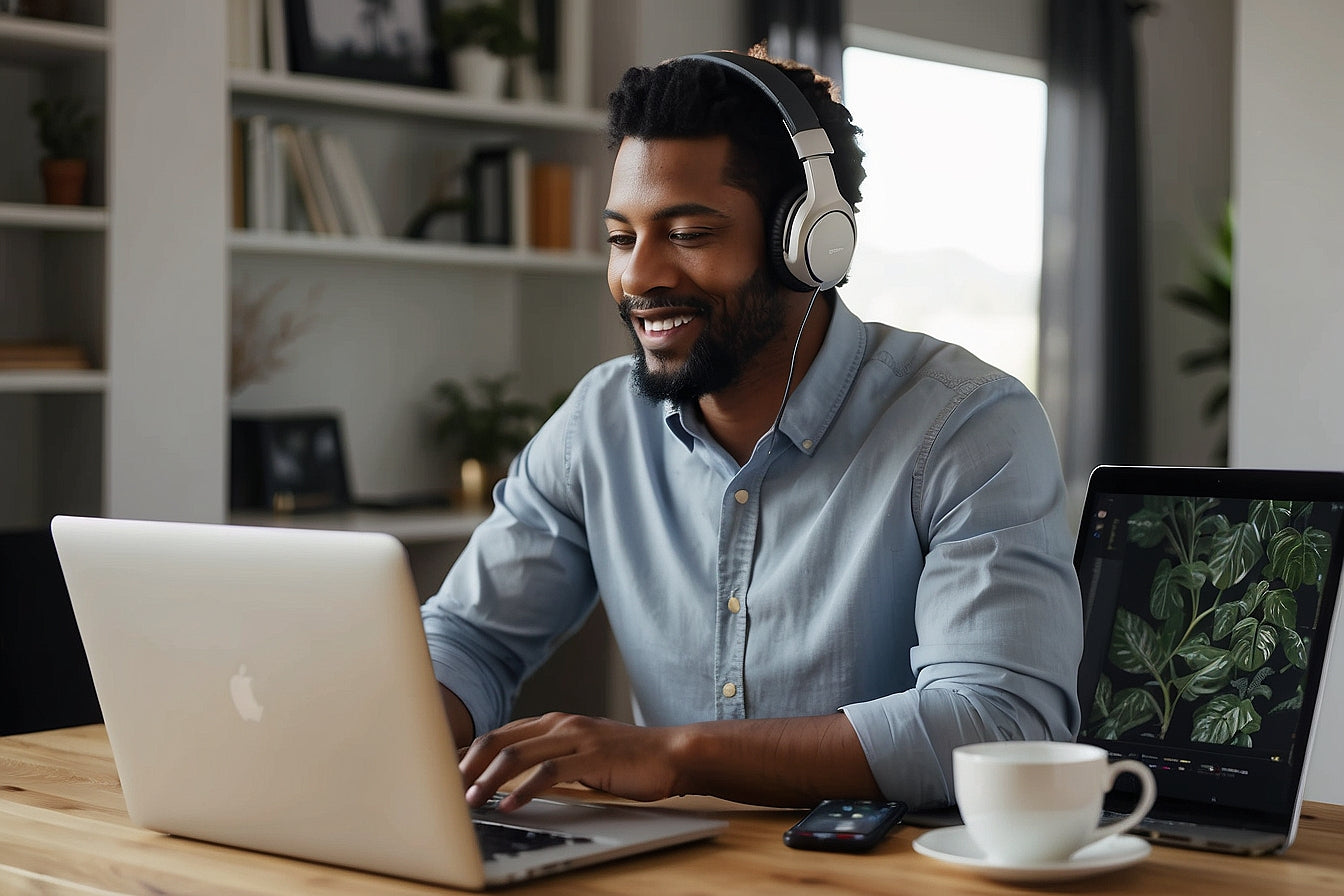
point(620, 239)
point(686, 236)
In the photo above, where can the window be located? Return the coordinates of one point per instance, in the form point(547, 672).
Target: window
point(949, 230)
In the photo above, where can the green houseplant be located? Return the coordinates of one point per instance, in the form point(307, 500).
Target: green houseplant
point(1211, 298)
point(479, 40)
point(485, 427)
point(65, 129)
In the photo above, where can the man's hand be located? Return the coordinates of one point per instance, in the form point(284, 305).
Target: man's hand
point(625, 760)
point(775, 762)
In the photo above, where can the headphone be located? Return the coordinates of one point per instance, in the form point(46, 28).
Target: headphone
point(812, 234)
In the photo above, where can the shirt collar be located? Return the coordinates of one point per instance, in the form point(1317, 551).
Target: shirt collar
point(815, 401)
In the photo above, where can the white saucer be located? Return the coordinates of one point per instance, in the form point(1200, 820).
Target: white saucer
point(954, 845)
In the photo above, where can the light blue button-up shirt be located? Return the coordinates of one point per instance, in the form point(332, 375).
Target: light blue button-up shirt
point(898, 551)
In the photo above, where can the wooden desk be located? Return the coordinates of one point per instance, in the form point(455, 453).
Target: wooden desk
point(64, 832)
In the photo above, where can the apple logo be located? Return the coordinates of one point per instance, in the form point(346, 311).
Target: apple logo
point(240, 688)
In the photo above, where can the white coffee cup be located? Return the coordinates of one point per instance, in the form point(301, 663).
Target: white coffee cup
point(1039, 802)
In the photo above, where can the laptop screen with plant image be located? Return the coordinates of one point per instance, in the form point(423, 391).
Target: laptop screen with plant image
point(1208, 598)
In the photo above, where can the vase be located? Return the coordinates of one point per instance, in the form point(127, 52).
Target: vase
point(63, 180)
point(478, 72)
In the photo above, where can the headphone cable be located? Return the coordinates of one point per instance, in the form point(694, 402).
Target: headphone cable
point(793, 360)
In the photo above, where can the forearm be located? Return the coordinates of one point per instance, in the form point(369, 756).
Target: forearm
point(459, 718)
point(776, 762)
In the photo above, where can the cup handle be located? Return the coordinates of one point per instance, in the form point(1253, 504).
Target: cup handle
point(1145, 776)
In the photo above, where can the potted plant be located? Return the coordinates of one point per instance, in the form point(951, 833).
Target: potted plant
point(64, 129)
point(486, 428)
point(1212, 299)
point(479, 40)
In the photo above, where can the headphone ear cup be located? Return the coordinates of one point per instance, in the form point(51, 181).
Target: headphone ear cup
point(778, 239)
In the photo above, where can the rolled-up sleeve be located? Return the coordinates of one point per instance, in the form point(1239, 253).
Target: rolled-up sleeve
point(523, 583)
point(998, 611)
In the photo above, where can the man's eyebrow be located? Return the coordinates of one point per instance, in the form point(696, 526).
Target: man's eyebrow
point(672, 211)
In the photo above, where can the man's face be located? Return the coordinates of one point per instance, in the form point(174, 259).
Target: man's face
point(687, 267)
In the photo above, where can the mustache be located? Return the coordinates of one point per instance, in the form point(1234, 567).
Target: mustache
point(630, 304)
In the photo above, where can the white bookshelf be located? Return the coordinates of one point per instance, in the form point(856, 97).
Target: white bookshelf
point(52, 274)
point(39, 42)
point(413, 252)
point(424, 102)
point(37, 382)
point(446, 308)
point(33, 216)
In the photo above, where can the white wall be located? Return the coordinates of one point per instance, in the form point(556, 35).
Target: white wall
point(1288, 312)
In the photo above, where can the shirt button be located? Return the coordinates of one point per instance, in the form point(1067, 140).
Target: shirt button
point(807, 444)
point(730, 690)
point(734, 605)
point(741, 495)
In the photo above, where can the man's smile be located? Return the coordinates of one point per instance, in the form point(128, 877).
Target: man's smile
point(666, 323)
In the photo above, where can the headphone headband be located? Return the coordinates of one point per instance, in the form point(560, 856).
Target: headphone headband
point(797, 111)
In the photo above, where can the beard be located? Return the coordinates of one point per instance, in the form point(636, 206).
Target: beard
point(731, 340)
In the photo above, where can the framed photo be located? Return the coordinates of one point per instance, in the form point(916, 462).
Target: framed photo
point(287, 464)
point(391, 41)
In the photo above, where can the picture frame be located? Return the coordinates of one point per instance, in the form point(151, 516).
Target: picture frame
point(287, 463)
point(392, 42)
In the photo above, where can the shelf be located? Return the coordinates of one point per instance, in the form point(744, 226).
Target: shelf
point(418, 101)
point(407, 526)
point(399, 251)
point(34, 216)
point(52, 381)
point(42, 42)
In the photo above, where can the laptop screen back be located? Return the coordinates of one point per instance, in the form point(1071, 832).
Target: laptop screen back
point(1208, 597)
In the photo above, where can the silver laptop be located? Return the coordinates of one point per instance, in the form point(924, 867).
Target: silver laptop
point(1208, 598)
point(271, 689)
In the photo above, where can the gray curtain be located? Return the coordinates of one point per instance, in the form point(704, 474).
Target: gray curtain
point(1092, 317)
point(806, 31)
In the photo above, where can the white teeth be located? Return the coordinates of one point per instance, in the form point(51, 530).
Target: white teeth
point(667, 323)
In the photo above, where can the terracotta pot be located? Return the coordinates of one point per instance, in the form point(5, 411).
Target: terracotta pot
point(64, 180)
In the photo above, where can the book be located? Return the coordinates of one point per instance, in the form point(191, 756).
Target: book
point(42, 356)
point(287, 137)
point(351, 191)
point(488, 191)
point(277, 38)
point(256, 166)
point(552, 205)
point(283, 205)
point(238, 173)
point(245, 34)
point(520, 200)
point(332, 220)
point(368, 206)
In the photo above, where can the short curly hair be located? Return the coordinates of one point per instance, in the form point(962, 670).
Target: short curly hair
point(684, 97)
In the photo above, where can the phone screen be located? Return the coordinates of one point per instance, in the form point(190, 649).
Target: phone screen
point(850, 825)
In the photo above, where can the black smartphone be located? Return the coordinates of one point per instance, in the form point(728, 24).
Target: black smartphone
point(845, 825)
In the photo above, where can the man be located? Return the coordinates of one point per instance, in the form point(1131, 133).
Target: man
point(820, 608)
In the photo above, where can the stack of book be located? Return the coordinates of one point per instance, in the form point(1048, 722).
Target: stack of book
point(293, 177)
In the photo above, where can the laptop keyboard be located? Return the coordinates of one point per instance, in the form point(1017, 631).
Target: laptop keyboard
point(500, 840)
